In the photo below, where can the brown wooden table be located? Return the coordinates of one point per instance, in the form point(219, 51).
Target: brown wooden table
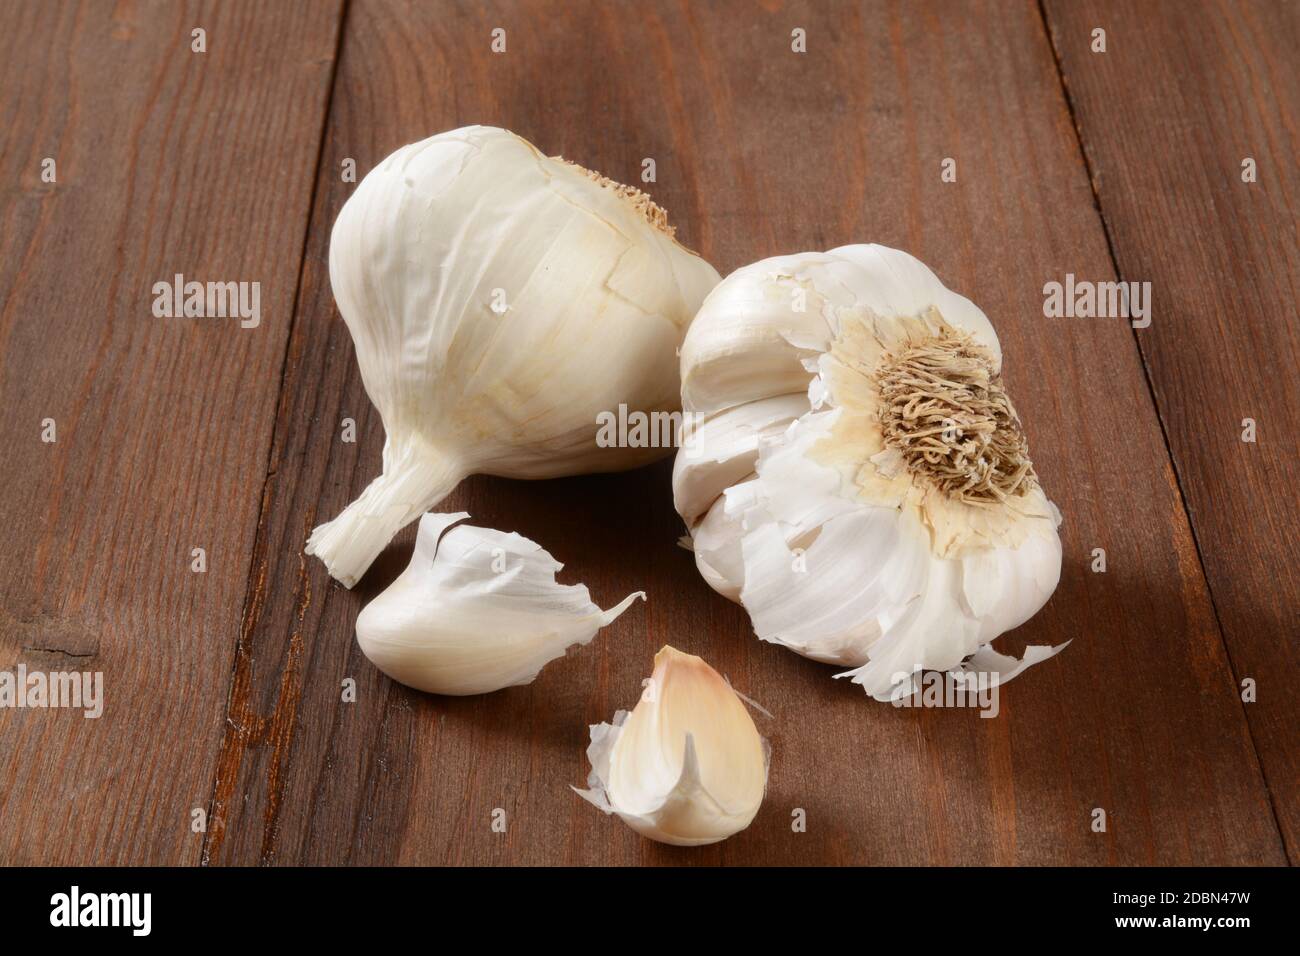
point(222, 688)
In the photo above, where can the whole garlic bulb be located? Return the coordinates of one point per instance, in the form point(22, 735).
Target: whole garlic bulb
point(687, 765)
point(475, 611)
point(499, 300)
point(859, 479)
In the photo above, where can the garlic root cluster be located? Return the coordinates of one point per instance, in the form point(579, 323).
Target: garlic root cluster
point(499, 300)
point(859, 479)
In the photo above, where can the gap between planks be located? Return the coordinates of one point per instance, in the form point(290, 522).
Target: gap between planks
point(250, 585)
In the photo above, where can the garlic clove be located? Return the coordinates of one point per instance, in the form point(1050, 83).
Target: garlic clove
point(499, 301)
point(475, 611)
point(715, 543)
point(687, 765)
point(723, 448)
point(716, 540)
point(753, 344)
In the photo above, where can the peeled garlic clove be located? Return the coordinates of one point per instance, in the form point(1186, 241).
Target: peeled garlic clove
point(500, 301)
point(890, 520)
point(687, 765)
point(475, 611)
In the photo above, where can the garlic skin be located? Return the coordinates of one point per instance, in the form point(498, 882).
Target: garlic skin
point(687, 765)
point(475, 611)
point(499, 300)
point(860, 481)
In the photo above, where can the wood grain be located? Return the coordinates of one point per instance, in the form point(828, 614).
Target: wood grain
point(167, 161)
point(759, 151)
point(1181, 97)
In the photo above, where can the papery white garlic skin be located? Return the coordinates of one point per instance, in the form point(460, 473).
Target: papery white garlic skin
point(475, 611)
point(499, 300)
point(832, 535)
point(687, 766)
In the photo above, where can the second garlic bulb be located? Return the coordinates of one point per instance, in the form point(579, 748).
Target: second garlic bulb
point(860, 480)
point(499, 301)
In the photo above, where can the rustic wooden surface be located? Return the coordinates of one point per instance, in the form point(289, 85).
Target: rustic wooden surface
point(167, 162)
point(223, 688)
point(1224, 258)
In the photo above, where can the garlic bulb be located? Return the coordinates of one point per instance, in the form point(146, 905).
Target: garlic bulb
point(499, 300)
point(687, 766)
point(475, 611)
point(859, 479)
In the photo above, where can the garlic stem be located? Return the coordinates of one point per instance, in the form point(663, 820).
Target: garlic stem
point(413, 480)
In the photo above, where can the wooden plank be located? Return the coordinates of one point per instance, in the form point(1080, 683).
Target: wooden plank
point(167, 161)
point(1205, 87)
point(759, 151)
